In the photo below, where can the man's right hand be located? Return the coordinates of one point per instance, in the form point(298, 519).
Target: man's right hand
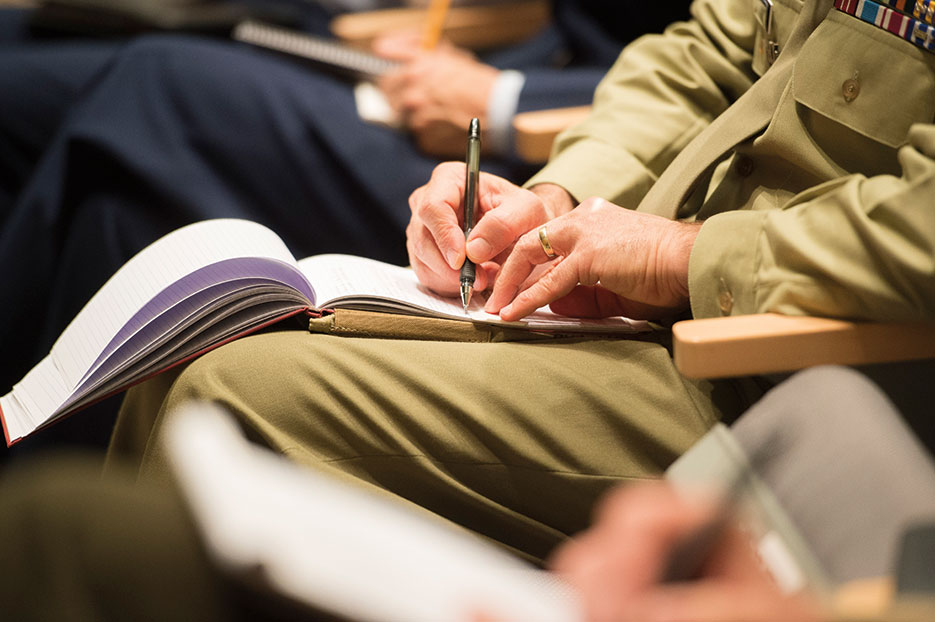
point(435, 238)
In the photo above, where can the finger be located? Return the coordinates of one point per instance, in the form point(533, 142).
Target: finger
point(555, 283)
point(434, 272)
point(717, 601)
point(401, 45)
point(527, 253)
point(427, 260)
point(415, 103)
point(437, 276)
point(486, 275)
point(438, 206)
point(395, 85)
point(736, 557)
point(506, 217)
point(639, 524)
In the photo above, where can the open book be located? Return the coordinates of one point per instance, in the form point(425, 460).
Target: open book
point(337, 548)
point(206, 284)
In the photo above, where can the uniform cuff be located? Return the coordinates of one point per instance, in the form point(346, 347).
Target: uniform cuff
point(724, 265)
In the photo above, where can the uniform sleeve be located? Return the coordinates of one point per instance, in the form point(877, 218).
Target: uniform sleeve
point(662, 91)
point(856, 247)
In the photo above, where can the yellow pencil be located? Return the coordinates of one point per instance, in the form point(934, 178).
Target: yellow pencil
point(435, 23)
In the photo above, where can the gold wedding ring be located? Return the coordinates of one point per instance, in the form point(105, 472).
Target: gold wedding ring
point(544, 241)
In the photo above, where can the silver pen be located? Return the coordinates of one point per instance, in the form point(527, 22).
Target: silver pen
point(472, 161)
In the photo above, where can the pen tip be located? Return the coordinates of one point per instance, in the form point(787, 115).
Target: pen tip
point(465, 295)
point(474, 128)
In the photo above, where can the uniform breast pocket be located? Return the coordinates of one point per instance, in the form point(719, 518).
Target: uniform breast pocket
point(857, 90)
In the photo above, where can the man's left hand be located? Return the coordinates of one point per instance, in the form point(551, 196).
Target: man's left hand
point(610, 261)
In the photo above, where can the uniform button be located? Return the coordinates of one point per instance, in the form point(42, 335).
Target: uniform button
point(743, 165)
point(850, 89)
point(725, 299)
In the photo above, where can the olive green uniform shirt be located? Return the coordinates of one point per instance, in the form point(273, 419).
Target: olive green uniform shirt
point(828, 211)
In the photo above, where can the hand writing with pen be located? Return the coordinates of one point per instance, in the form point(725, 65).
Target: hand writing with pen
point(605, 260)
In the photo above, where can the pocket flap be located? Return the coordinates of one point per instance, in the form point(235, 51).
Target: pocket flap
point(844, 73)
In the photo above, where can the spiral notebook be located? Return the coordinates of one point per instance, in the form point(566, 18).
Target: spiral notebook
point(319, 51)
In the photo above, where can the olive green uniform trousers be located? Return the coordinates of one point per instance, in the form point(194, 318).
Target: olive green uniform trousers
point(76, 547)
point(515, 441)
point(79, 547)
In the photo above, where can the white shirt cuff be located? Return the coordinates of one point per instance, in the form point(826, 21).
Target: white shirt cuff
point(501, 107)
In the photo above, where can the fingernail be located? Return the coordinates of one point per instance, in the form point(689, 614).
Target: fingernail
point(479, 248)
point(453, 258)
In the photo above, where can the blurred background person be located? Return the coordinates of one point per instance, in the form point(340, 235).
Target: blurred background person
point(110, 144)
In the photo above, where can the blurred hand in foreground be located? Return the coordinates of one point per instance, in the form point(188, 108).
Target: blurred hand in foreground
point(616, 565)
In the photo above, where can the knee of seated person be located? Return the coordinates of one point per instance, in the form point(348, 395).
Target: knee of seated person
point(274, 385)
point(178, 63)
point(243, 370)
point(835, 391)
point(829, 397)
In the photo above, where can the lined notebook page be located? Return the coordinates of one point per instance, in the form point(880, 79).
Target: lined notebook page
point(337, 276)
point(147, 274)
point(346, 276)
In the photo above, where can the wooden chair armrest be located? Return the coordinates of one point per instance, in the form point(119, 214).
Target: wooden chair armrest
point(771, 343)
point(472, 27)
point(535, 130)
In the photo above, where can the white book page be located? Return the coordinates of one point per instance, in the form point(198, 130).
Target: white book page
point(149, 272)
point(146, 275)
point(339, 276)
point(24, 408)
point(340, 548)
point(345, 276)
